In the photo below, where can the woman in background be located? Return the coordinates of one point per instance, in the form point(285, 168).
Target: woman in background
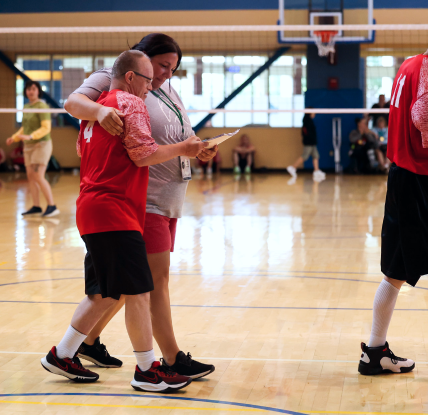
point(35, 134)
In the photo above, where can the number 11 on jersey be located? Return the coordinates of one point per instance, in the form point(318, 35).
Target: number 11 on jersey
point(87, 133)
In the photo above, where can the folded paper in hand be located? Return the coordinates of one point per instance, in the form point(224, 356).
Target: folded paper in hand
point(219, 139)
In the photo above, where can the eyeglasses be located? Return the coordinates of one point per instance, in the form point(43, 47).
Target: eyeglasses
point(136, 73)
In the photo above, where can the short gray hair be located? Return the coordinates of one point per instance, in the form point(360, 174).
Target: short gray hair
point(126, 61)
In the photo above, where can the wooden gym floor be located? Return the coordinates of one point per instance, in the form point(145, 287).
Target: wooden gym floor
point(273, 283)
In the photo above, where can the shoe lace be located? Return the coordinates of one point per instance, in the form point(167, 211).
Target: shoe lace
point(76, 364)
point(165, 370)
point(393, 357)
point(187, 359)
point(103, 349)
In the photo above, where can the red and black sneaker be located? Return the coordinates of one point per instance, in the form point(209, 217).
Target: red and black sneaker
point(158, 379)
point(70, 368)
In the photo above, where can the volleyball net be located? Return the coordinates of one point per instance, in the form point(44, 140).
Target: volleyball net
point(243, 75)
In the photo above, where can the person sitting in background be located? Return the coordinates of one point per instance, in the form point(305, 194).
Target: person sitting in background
point(243, 155)
point(207, 167)
point(381, 104)
point(363, 143)
point(3, 164)
point(381, 131)
point(309, 136)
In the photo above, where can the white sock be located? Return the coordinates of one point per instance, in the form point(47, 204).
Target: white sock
point(383, 307)
point(69, 344)
point(145, 359)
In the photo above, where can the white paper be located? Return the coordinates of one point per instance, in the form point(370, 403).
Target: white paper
point(219, 139)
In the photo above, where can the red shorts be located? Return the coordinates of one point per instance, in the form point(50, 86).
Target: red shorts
point(159, 233)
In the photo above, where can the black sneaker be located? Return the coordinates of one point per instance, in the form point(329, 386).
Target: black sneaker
point(158, 379)
point(185, 365)
point(35, 210)
point(50, 211)
point(377, 360)
point(70, 368)
point(98, 354)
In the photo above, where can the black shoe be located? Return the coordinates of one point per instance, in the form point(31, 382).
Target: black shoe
point(35, 210)
point(158, 379)
point(377, 360)
point(98, 354)
point(185, 365)
point(50, 211)
point(70, 368)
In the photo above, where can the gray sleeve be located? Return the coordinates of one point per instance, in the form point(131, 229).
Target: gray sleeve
point(96, 84)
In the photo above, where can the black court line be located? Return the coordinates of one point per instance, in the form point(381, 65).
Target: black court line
point(231, 306)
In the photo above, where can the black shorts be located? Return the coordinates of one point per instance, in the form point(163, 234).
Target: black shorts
point(405, 226)
point(116, 263)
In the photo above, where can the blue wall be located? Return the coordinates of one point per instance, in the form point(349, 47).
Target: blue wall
point(31, 6)
point(349, 71)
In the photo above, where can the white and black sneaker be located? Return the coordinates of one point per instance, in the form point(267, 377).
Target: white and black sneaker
point(186, 366)
point(69, 368)
point(98, 354)
point(378, 360)
point(158, 379)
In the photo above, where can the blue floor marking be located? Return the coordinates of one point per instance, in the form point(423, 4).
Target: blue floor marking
point(133, 395)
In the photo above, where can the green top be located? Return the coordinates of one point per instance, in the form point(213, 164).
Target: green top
point(32, 121)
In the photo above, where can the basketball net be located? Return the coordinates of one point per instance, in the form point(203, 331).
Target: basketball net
point(325, 41)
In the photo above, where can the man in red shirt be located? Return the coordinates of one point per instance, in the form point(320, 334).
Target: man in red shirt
point(405, 226)
point(110, 218)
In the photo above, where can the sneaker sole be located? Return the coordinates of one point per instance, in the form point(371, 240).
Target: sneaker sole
point(96, 362)
point(57, 371)
point(54, 213)
point(28, 215)
point(201, 375)
point(159, 387)
point(368, 371)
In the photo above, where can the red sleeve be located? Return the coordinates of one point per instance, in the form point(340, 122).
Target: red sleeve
point(136, 138)
point(420, 107)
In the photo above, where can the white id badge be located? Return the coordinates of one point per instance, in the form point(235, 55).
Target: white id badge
point(186, 171)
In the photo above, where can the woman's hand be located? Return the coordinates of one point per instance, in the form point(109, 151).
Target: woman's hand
point(208, 153)
point(109, 119)
point(24, 137)
point(10, 141)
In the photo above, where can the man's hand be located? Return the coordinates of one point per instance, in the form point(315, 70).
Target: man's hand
point(10, 141)
point(208, 153)
point(109, 119)
point(193, 146)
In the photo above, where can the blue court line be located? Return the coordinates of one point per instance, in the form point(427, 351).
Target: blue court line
point(230, 306)
point(134, 395)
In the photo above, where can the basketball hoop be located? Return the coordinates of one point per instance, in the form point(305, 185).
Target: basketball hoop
point(325, 41)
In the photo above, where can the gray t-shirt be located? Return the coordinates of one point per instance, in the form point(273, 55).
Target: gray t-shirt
point(167, 189)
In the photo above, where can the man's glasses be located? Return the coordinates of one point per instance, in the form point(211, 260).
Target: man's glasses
point(136, 73)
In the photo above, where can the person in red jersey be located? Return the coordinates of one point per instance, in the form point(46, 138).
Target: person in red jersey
point(110, 217)
point(405, 226)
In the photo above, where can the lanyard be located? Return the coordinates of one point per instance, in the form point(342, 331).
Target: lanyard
point(173, 107)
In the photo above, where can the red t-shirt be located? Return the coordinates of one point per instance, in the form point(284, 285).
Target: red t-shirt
point(113, 190)
point(408, 117)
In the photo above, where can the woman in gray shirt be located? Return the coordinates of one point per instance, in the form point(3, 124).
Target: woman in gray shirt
point(165, 195)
